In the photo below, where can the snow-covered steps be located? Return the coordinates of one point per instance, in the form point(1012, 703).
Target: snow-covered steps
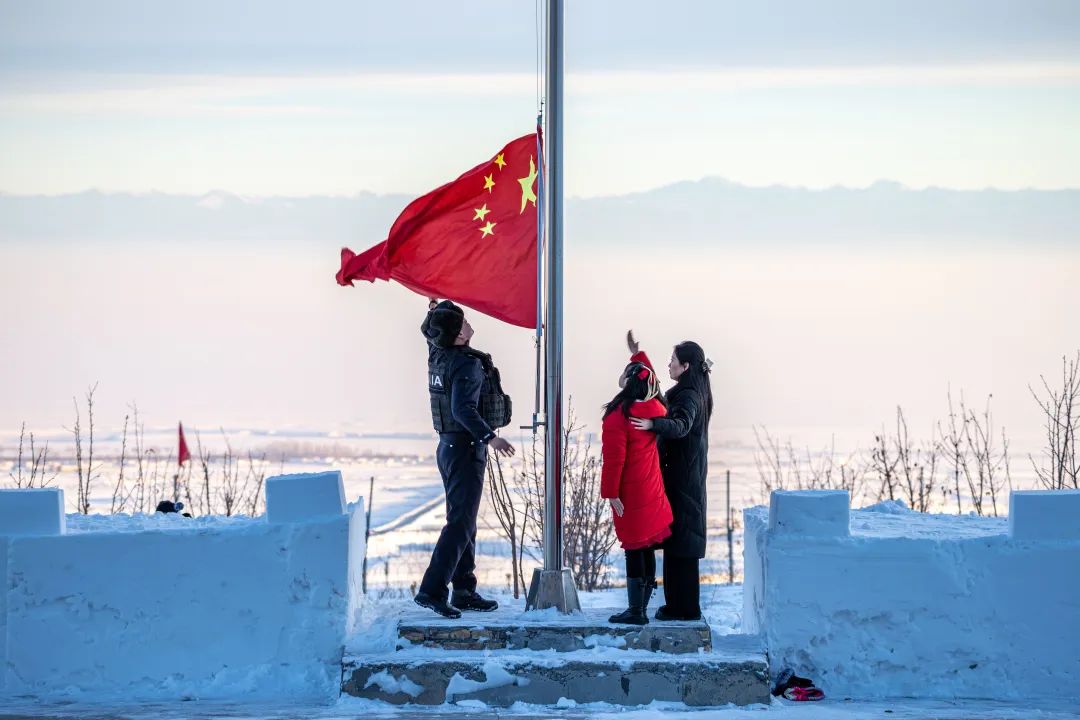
point(500, 678)
point(517, 630)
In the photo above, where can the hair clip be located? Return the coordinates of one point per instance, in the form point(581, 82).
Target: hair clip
point(644, 374)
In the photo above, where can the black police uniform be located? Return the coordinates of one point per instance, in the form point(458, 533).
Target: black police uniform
point(467, 403)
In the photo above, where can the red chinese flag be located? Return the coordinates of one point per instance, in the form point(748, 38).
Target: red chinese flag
point(472, 241)
point(183, 454)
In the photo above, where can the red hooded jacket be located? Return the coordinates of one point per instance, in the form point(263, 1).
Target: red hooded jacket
point(631, 472)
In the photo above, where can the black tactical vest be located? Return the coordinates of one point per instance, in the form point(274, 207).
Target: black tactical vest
point(494, 405)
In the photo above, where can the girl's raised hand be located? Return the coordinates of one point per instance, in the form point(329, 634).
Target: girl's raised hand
point(632, 343)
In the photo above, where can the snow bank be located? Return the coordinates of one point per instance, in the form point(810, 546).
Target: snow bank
point(168, 607)
point(38, 511)
point(899, 603)
point(495, 676)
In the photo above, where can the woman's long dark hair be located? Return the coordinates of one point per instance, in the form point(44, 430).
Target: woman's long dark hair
point(635, 389)
point(696, 376)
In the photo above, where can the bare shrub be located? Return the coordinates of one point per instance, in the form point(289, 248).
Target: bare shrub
point(781, 467)
point(916, 466)
point(588, 533)
point(205, 499)
point(1060, 466)
point(118, 498)
point(987, 473)
point(951, 440)
point(512, 505)
point(254, 482)
point(39, 461)
point(85, 472)
point(826, 472)
point(883, 460)
point(140, 495)
point(229, 490)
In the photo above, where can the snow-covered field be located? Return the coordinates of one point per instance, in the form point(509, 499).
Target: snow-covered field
point(722, 605)
point(349, 708)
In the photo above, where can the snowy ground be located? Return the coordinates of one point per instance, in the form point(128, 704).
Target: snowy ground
point(723, 607)
point(353, 708)
point(721, 604)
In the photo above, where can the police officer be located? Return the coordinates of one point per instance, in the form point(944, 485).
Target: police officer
point(467, 406)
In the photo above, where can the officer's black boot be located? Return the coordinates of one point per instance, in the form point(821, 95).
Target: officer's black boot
point(635, 613)
point(439, 605)
point(471, 600)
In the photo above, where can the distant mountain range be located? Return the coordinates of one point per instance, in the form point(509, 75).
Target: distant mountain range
point(712, 212)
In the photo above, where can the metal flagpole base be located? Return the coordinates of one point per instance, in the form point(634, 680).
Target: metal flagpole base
point(553, 588)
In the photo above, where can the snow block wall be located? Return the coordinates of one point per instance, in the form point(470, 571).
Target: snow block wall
point(165, 607)
point(887, 602)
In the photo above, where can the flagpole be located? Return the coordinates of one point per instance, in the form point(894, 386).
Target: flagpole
point(553, 586)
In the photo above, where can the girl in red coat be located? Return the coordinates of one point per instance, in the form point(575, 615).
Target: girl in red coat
point(631, 480)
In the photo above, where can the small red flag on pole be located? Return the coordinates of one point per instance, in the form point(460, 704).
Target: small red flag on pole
point(472, 240)
point(183, 454)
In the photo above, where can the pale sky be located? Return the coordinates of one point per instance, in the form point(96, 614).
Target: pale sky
point(279, 97)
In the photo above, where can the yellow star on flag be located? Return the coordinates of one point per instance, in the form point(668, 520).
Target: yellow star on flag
point(488, 182)
point(527, 194)
point(500, 161)
point(481, 212)
point(488, 229)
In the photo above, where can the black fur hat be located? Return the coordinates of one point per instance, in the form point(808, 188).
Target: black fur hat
point(443, 324)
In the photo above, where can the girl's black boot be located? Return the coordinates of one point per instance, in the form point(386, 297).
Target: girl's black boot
point(636, 589)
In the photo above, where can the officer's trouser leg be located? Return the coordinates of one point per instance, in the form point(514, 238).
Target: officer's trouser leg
point(682, 585)
point(462, 464)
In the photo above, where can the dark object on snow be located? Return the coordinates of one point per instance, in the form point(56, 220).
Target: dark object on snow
point(664, 612)
point(793, 687)
point(472, 600)
point(684, 449)
point(461, 461)
point(637, 598)
point(168, 506)
point(439, 605)
point(467, 405)
point(682, 588)
point(684, 458)
point(787, 679)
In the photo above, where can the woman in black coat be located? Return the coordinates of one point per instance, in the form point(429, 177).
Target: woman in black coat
point(684, 462)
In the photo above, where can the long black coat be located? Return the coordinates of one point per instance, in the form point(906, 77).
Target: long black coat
point(684, 461)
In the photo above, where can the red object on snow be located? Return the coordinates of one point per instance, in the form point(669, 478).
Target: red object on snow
point(801, 694)
point(182, 454)
point(472, 241)
point(631, 472)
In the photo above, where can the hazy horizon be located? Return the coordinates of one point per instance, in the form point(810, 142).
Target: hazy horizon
point(230, 315)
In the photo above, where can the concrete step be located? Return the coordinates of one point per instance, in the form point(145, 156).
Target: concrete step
point(507, 629)
point(736, 674)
